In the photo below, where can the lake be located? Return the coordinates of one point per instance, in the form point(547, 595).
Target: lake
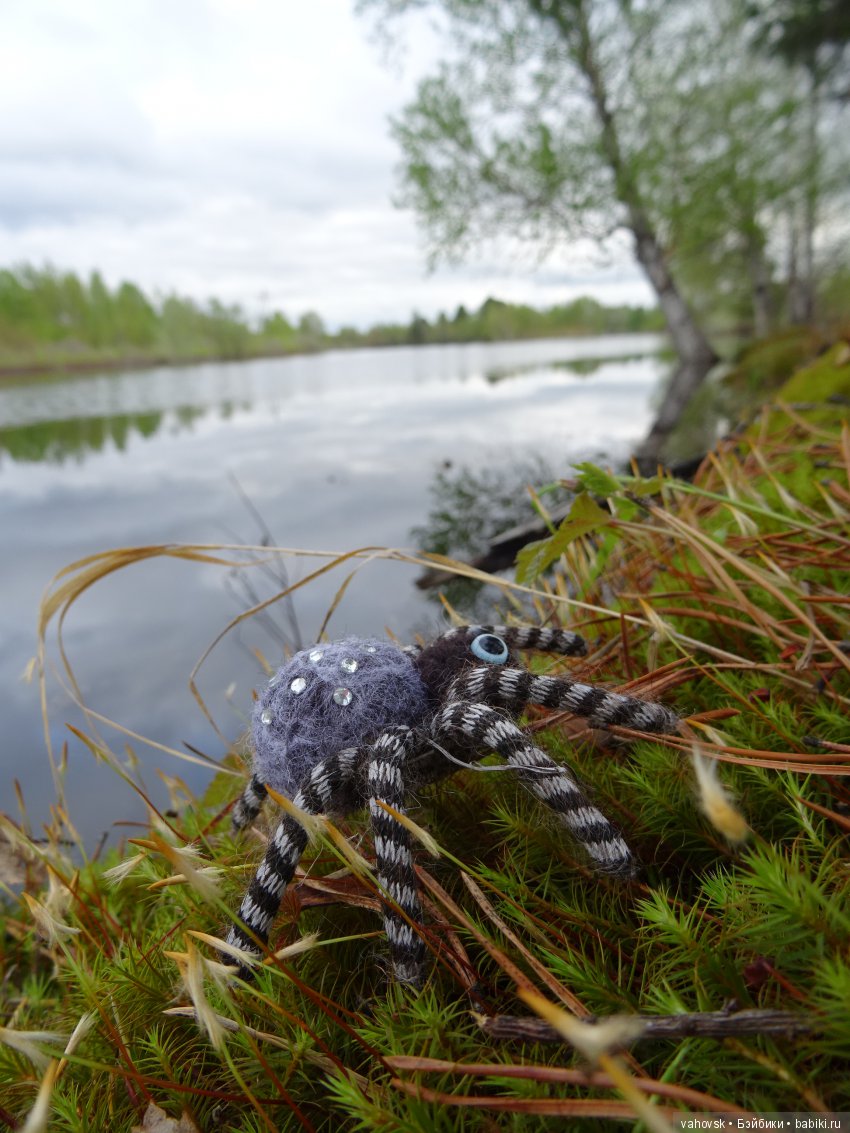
point(332, 452)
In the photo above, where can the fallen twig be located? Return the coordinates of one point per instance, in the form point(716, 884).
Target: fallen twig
point(696, 1024)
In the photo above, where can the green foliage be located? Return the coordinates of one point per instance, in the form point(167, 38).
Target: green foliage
point(48, 318)
point(584, 518)
point(764, 365)
point(547, 122)
point(813, 33)
point(826, 380)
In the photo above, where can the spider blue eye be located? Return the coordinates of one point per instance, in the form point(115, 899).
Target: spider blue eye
point(487, 647)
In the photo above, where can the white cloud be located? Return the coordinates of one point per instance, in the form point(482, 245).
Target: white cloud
point(229, 147)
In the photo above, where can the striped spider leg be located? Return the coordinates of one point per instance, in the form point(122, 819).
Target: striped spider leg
point(486, 729)
point(327, 789)
point(396, 872)
point(474, 714)
point(249, 804)
point(339, 785)
point(514, 689)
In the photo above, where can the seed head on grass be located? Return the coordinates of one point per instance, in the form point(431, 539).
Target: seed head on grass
point(715, 801)
point(183, 859)
point(49, 925)
point(596, 1041)
point(193, 970)
point(27, 1043)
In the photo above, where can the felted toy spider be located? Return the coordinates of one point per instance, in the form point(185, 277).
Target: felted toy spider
point(363, 722)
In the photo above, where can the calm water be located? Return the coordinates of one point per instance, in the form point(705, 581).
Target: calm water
point(334, 451)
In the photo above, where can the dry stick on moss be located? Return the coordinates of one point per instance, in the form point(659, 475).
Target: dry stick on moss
point(696, 1099)
point(695, 1024)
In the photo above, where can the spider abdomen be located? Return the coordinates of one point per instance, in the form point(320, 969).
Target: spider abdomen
point(327, 698)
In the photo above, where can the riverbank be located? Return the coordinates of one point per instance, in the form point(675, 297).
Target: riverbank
point(93, 364)
point(119, 363)
point(731, 607)
point(54, 321)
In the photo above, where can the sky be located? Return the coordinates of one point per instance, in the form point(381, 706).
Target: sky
point(237, 149)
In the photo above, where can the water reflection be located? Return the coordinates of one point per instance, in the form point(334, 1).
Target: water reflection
point(580, 367)
point(469, 508)
point(54, 421)
point(55, 442)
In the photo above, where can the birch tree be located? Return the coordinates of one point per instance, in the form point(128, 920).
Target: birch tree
point(531, 129)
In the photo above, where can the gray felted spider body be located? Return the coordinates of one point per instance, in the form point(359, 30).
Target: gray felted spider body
point(363, 722)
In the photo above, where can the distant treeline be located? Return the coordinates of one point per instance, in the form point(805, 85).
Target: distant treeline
point(50, 317)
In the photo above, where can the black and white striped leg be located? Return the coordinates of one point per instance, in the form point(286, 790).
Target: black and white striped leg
point(261, 903)
point(327, 788)
point(396, 874)
point(249, 804)
point(514, 688)
point(551, 783)
point(548, 640)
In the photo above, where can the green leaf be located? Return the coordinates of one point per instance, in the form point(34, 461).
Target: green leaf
point(584, 517)
point(597, 480)
point(640, 487)
point(534, 558)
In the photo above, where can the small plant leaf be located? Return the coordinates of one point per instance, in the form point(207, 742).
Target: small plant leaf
point(597, 480)
point(639, 486)
point(584, 517)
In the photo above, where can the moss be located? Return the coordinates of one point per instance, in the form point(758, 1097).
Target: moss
point(825, 378)
point(764, 366)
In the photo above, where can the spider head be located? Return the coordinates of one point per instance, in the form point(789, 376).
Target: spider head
point(447, 657)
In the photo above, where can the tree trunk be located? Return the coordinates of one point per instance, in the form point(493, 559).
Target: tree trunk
point(760, 284)
point(810, 200)
point(696, 356)
point(797, 301)
point(804, 218)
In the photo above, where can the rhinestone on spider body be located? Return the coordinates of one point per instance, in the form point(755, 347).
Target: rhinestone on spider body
point(348, 665)
point(336, 710)
point(298, 686)
point(266, 716)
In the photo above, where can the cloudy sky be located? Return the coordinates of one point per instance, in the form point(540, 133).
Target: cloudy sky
point(236, 148)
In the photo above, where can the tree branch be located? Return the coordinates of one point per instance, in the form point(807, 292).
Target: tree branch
point(696, 1024)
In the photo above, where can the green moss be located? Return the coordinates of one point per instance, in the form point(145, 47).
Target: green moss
point(764, 366)
point(827, 377)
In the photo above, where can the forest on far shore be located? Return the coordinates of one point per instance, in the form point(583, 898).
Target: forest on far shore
point(55, 318)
